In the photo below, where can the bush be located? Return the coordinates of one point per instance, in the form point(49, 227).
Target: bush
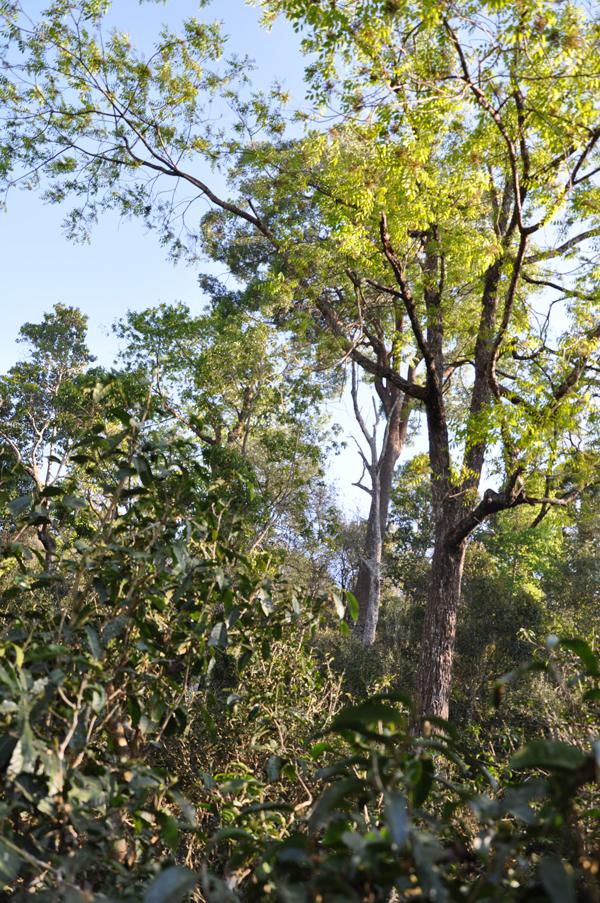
point(425, 818)
point(110, 649)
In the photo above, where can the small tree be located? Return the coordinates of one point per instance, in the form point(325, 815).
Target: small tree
point(379, 465)
point(42, 408)
point(251, 399)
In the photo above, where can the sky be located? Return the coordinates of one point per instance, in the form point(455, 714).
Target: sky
point(124, 267)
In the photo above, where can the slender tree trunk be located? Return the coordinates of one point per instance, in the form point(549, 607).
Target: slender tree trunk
point(368, 581)
point(370, 567)
point(439, 629)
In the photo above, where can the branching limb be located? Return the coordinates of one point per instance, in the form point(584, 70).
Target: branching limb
point(512, 496)
point(405, 293)
point(410, 388)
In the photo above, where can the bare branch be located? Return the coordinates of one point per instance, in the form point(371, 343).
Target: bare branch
point(410, 388)
point(566, 246)
point(507, 312)
point(370, 437)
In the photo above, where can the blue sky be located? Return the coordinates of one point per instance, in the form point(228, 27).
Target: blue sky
point(124, 267)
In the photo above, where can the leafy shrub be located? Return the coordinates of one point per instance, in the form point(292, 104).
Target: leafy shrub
point(169, 727)
point(109, 649)
point(425, 818)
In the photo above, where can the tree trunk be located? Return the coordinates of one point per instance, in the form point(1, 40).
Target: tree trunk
point(434, 680)
point(369, 574)
point(368, 581)
point(439, 629)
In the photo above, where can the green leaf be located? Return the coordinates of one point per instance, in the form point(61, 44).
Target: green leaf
point(73, 502)
point(231, 833)
point(361, 717)
point(266, 601)
point(24, 754)
point(51, 491)
point(550, 754)
point(171, 885)
point(424, 782)
point(38, 516)
point(396, 817)
point(557, 882)
point(218, 635)
point(327, 805)
point(143, 469)
point(292, 851)
point(274, 766)
point(124, 472)
point(94, 642)
point(585, 654)
point(169, 830)
point(114, 628)
point(187, 809)
point(17, 506)
point(352, 603)
point(10, 864)
point(134, 709)
point(517, 800)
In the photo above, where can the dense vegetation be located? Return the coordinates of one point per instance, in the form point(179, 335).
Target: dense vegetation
point(215, 683)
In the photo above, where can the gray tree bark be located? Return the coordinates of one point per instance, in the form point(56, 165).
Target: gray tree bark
point(380, 468)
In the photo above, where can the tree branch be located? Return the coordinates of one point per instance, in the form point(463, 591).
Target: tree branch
point(511, 497)
point(410, 388)
point(405, 293)
point(566, 246)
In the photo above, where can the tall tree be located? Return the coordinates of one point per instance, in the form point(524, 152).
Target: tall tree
point(483, 156)
point(450, 189)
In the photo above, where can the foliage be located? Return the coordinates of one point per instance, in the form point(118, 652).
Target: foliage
point(426, 817)
point(116, 115)
point(39, 396)
point(106, 653)
point(159, 707)
point(173, 718)
point(251, 399)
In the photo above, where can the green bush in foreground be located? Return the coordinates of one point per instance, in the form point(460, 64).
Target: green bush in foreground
point(423, 818)
point(138, 760)
point(137, 623)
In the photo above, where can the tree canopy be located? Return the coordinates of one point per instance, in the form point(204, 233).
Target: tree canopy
point(216, 682)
